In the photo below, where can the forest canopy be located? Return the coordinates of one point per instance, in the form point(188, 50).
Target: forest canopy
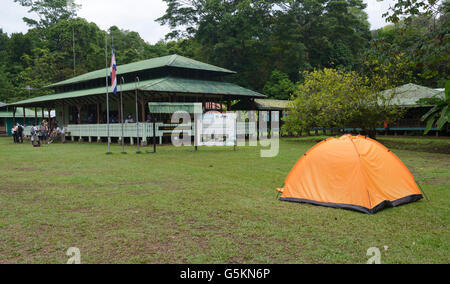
point(269, 43)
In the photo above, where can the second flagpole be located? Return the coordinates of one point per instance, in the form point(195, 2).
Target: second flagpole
point(107, 93)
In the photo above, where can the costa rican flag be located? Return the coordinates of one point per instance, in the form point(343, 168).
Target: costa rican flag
point(113, 74)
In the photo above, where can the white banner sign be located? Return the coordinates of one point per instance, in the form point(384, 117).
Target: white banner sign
point(216, 129)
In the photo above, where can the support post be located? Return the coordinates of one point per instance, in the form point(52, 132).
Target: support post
point(143, 109)
point(98, 113)
point(269, 134)
point(63, 138)
point(63, 113)
point(24, 117)
point(79, 114)
point(154, 133)
point(257, 125)
point(203, 103)
point(143, 120)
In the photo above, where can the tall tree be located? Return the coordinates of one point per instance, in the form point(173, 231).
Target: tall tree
point(422, 41)
point(407, 9)
point(49, 11)
point(255, 37)
point(279, 86)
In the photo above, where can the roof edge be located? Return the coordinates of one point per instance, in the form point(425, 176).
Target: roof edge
point(171, 59)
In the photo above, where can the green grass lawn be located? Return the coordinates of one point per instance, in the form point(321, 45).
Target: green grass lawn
point(213, 206)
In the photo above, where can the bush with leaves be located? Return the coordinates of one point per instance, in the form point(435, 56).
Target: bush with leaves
point(340, 99)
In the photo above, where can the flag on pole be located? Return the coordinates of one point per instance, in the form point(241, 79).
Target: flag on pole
point(113, 74)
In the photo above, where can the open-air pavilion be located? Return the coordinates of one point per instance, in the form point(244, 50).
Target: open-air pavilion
point(80, 102)
point(277, 107)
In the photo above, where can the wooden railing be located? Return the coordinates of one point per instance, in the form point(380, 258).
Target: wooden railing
point(145, 130)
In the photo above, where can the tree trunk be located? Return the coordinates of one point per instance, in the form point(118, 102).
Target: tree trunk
point(372, 133)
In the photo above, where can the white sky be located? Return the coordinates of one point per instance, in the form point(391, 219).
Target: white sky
point(137, 15)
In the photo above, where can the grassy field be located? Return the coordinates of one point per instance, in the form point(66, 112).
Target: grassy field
point(213, 206)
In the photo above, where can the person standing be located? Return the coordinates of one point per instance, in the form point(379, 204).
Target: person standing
point(19, 131)
point(14, 133)
point(43, 131)
point(34, 136)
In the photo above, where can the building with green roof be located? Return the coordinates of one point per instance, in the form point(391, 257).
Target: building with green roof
point(8, 118)
point(408, 96)
point(82, 100)
point(262, 104)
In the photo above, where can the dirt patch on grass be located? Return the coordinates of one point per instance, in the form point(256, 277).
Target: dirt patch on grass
point(436, 181)
point(26, 169)
point(62, 173)
point(138, 192)
point(14, 187)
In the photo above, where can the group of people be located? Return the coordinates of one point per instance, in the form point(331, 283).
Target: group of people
point(45, 133)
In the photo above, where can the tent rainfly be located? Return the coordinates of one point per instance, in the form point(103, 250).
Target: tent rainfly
point(351, 172)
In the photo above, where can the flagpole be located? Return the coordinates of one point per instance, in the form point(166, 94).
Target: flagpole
point(107, 93)
point(137, 114)
point(122, 81)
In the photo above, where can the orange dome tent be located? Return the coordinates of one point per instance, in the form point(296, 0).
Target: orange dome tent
point(350, 172)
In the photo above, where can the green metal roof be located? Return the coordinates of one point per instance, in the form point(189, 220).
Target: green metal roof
point(182, 85)
point(171, 60)
point(2, 104)
point(409, 94)
point(166, 84)
point(272, 104)
point(262, 104)
point(77, 94)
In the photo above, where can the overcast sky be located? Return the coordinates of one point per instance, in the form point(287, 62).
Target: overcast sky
point(137, 15)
